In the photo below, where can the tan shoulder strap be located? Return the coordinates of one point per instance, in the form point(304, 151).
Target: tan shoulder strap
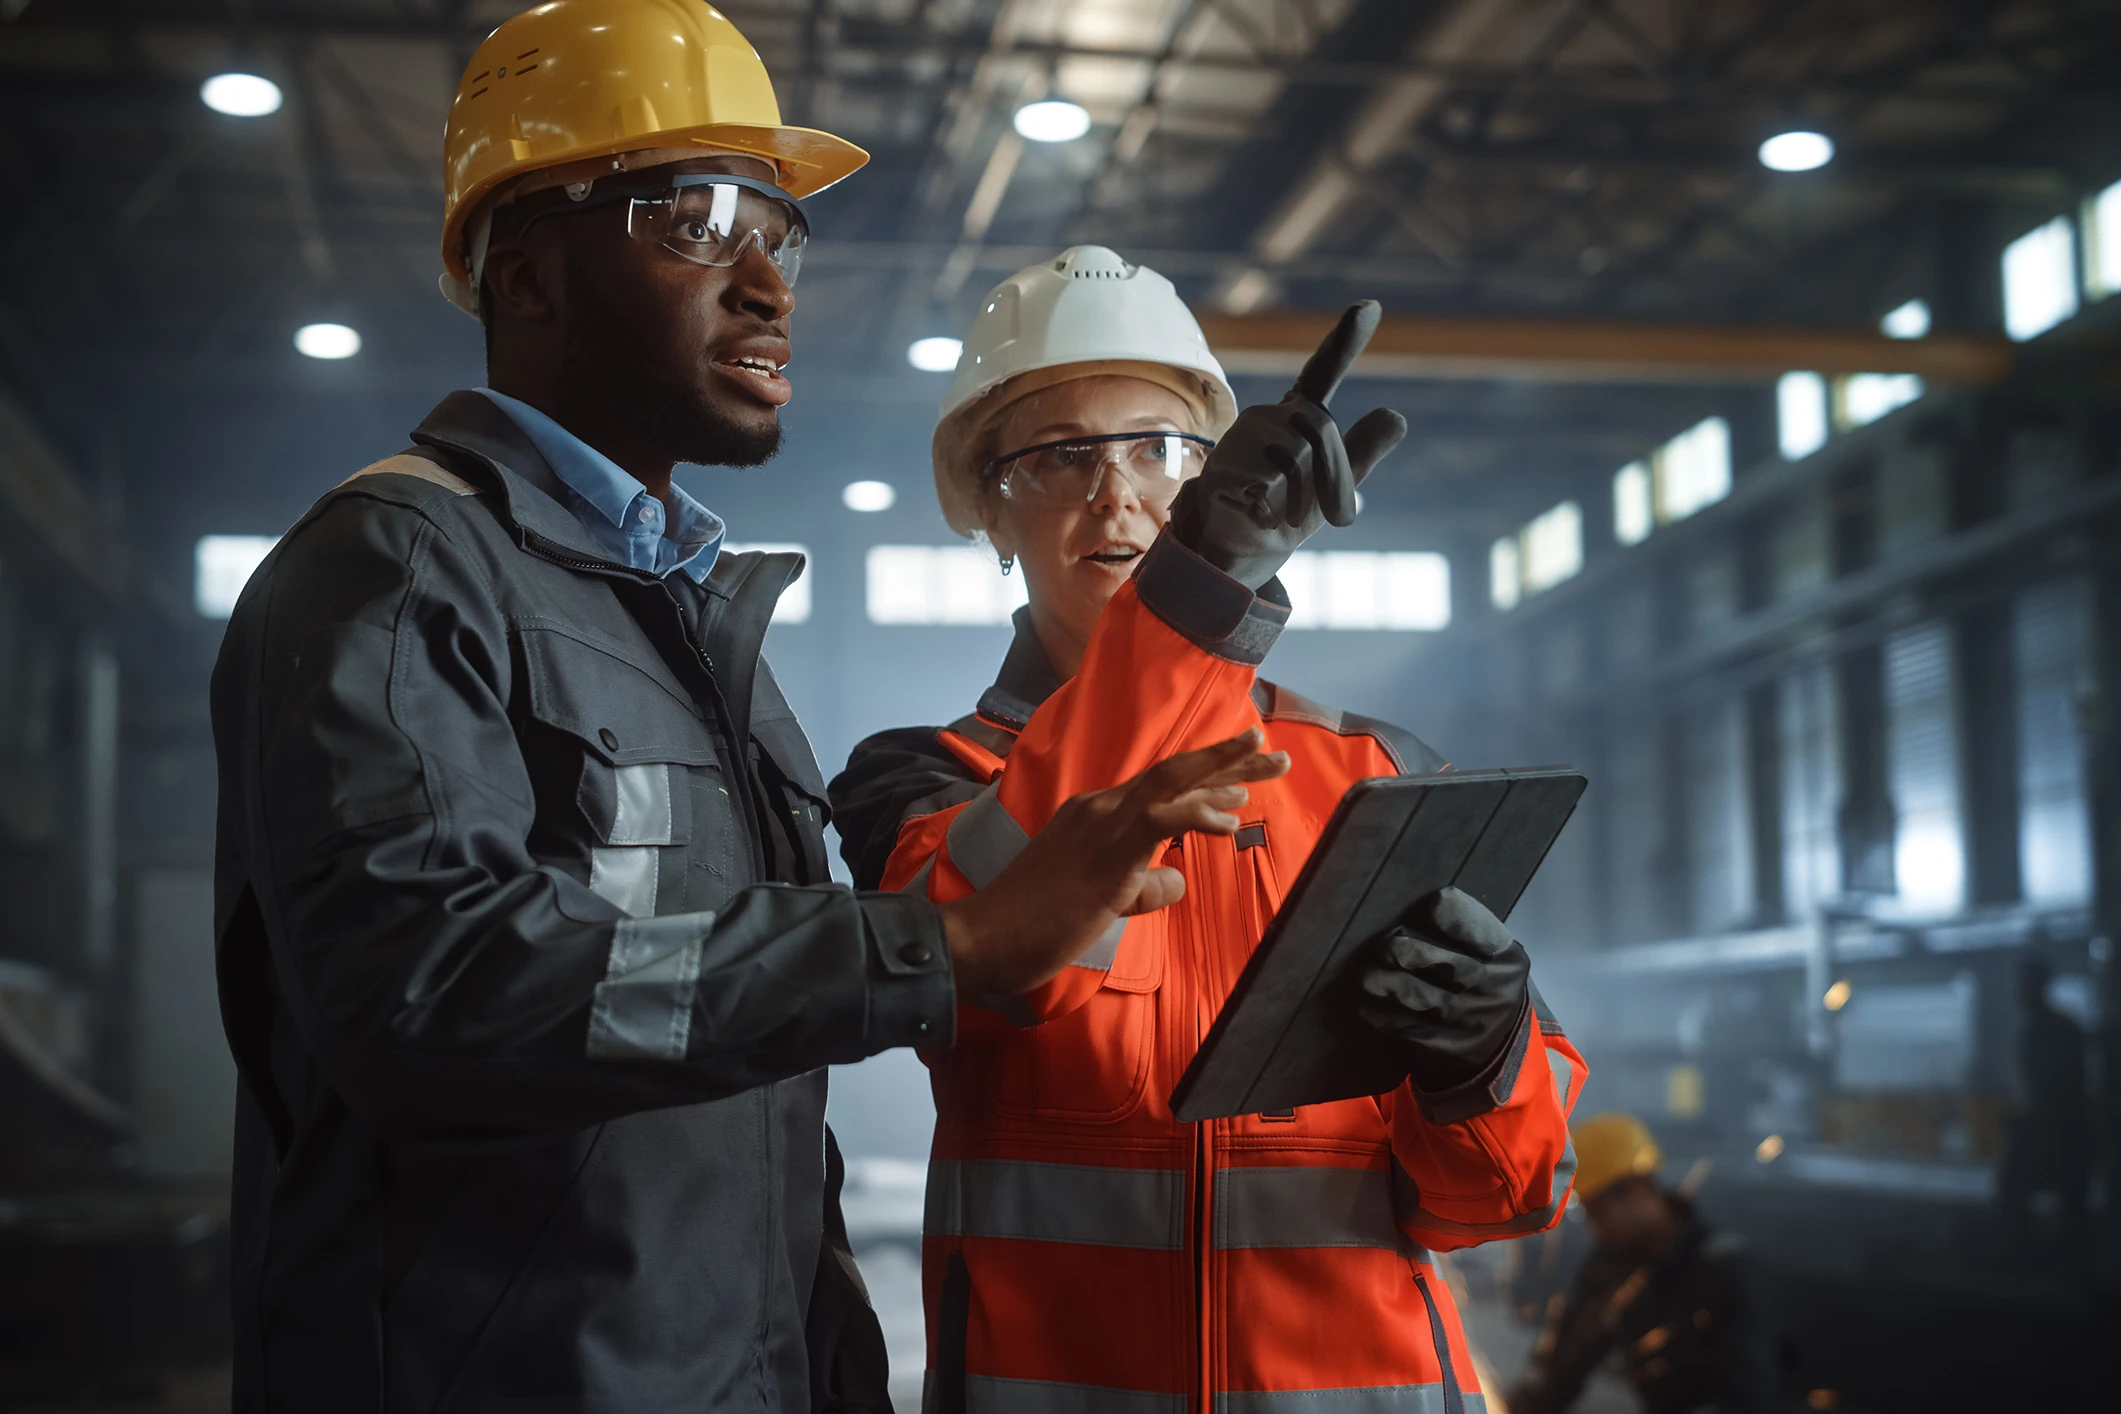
point(406, 464)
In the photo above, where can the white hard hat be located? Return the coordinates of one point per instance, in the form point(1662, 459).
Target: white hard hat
point(1084, 306)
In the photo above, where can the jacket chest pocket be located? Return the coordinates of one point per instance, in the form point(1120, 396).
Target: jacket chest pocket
point(631, 789)
point(1092, 1063)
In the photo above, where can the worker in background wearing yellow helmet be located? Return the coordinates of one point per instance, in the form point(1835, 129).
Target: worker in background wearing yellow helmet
point(1677, 1300)
point(528, 950)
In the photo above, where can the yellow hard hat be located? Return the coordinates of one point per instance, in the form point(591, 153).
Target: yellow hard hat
point(576, 79)
point(1610, 1147)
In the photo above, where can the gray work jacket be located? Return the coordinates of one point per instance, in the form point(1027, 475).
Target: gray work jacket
point(529, 971)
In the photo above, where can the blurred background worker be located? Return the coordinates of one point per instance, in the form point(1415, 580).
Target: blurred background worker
point(1676, 1300)
point(1086, 1250)
point(2041, 1186)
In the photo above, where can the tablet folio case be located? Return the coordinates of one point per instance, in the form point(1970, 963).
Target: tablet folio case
point(1289, 1034)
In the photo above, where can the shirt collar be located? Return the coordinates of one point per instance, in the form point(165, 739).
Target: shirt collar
point(695, 532)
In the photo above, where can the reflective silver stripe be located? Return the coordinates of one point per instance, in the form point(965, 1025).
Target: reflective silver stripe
point(642, 814)
point(991, 1394)
point(1080, 1203)
point(917, 886)
point(643, 1007)
point(1307, 1207)
point(1100, 953)
point(1539, 1219)
point(985, 837)
point(626, 876)
point(1374, 1399)
point(1565, 1170)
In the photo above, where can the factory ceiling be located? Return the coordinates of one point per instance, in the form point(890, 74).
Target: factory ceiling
point(1586, 160)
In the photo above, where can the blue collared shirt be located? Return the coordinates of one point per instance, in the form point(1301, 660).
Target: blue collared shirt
point(625, 521)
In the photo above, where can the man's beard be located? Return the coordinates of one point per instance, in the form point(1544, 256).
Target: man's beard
point(711, 438)
point(684, 418)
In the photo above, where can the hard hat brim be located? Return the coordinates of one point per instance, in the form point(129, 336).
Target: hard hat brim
point(807, 159)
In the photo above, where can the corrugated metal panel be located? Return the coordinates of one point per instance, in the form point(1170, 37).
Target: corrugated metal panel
point(1559, 909)
point(1797, 547)
point(1563, 660)
point(1711, 589)
point(1922, 770)
point(1636, 834)
point(1631, 622)
point(1719, 860)
point(1811, 789)
point(1913, 499)
point(2048, 648)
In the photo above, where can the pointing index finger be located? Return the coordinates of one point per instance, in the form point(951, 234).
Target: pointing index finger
point(1338, 351)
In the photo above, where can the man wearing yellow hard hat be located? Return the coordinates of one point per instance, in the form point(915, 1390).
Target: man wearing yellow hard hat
point(1675, 1298)
point(528, 950)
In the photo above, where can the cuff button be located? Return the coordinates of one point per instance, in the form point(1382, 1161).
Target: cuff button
point(915, 954)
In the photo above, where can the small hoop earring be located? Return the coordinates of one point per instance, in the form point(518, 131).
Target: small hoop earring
point(1008, 564)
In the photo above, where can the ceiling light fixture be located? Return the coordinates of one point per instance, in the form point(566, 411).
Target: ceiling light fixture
point(1053, 120)
point(328, 340)
point(868, 496)
point(1797, 151)
point(937, 354)
point(240, 95)
point(1907, 321)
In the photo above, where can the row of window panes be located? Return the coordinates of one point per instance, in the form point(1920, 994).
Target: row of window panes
point(1538, 557)
point(1404, 591)
point(1808, 407)
point(2041, 288)
point(2042, 282)
point(223, 564)
point(961, 584)
point(1691, 471)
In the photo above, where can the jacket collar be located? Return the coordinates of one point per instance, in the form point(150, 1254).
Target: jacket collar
point(1026, 679)
point(469, 424)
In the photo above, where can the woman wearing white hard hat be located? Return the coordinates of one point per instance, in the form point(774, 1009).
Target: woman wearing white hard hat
point(1083, 1249)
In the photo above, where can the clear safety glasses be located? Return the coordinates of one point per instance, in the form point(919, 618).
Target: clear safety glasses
point(1156, 463)
point(709, 218)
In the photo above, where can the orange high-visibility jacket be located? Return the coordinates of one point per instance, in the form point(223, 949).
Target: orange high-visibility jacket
point(1083, 1250)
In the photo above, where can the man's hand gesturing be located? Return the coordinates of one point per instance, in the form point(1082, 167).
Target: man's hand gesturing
point(1094, 862)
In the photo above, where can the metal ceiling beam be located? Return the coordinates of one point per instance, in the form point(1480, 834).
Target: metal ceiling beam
point(1421, 346)
point(871, 38)
point(1867, 167)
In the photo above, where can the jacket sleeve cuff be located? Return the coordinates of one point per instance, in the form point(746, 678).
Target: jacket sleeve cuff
point(1485, 1092)
point(912, 993)
point(1208, 608)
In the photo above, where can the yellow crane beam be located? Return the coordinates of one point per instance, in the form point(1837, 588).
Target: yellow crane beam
point(1582, 351)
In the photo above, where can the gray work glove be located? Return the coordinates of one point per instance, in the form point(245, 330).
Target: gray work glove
point(1449, 984)
point(1284, 469)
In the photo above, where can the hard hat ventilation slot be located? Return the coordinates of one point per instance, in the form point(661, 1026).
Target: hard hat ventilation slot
point(1092, 263)
point(476, 93)
point(525, 55)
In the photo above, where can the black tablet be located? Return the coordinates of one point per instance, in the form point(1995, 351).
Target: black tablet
point(1289, 1034)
